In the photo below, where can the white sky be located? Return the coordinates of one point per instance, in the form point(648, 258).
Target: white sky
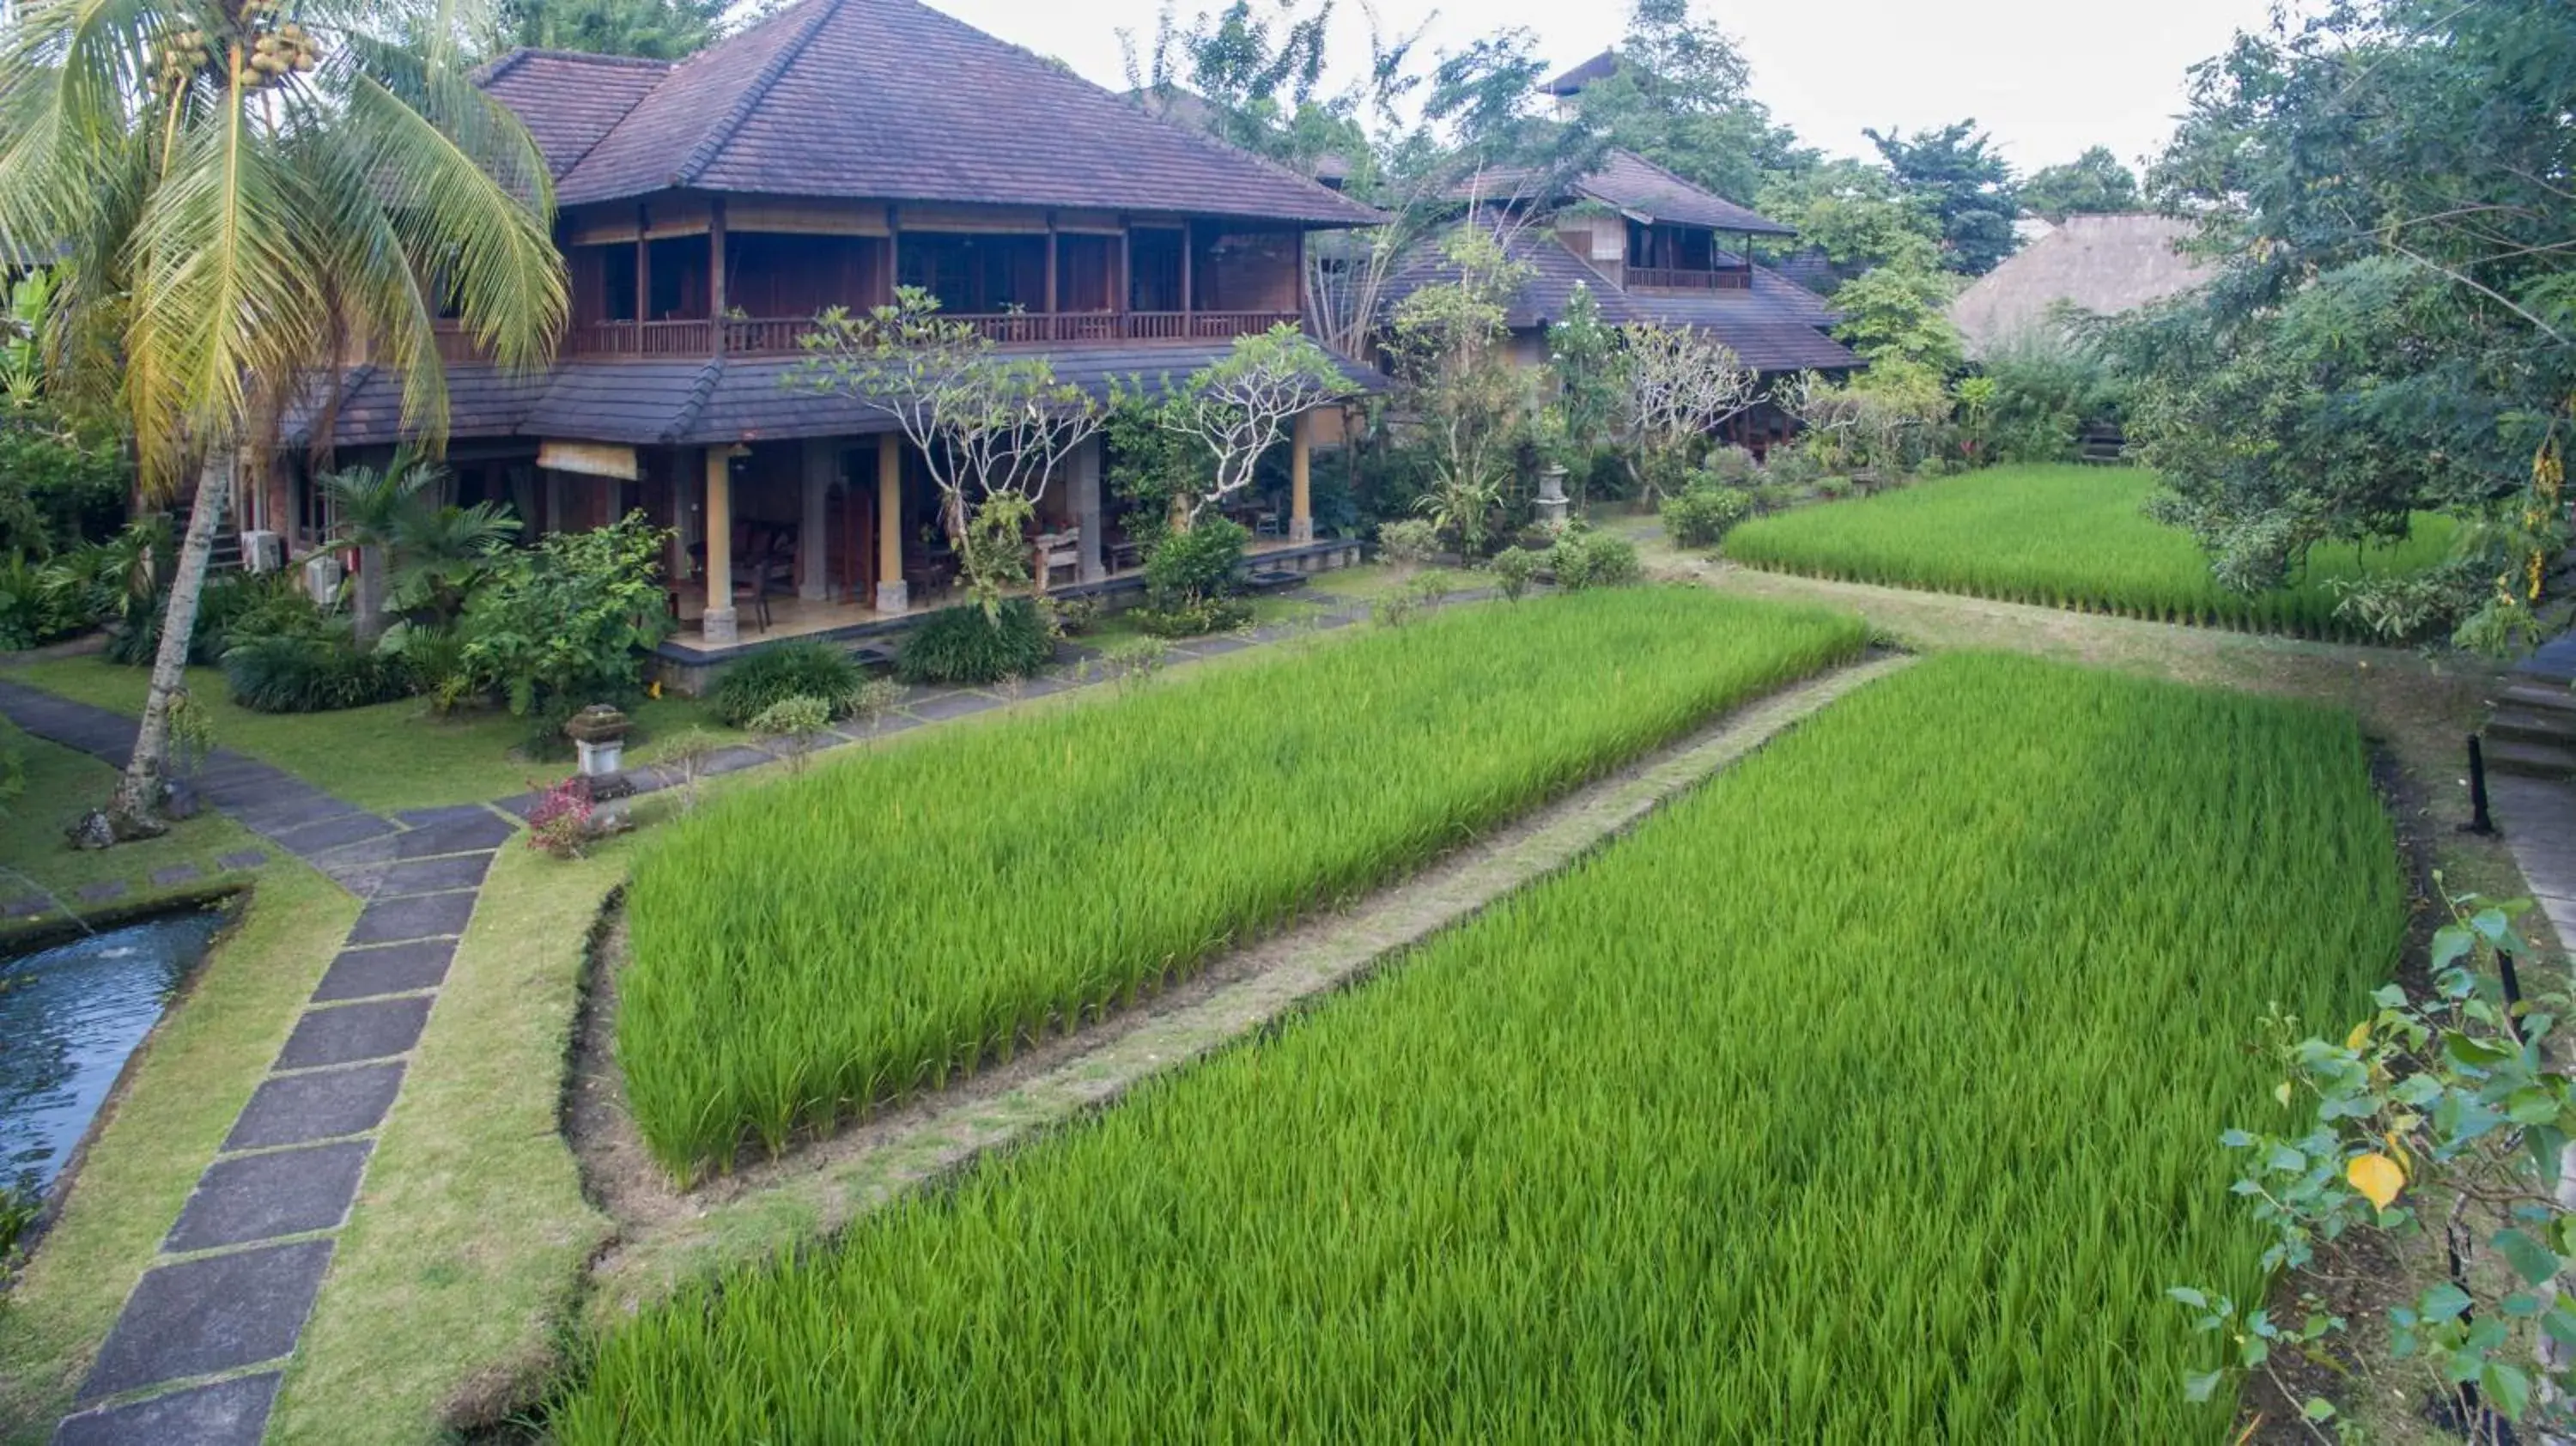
point(2047, 77)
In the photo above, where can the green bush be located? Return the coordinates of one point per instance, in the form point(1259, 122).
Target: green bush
point(238, 607)
point(1514, 569)
point(1190, 580)
point(33, 607)
point(567, 623)
point(963, 645)
point(1729, 466)
point(284, 673)
point(1415, 540)
point(794, 670)
point(1703, 515)
point(1584, 559)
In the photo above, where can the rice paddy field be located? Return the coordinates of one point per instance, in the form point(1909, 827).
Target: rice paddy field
point(1870, 1094)
point(2069, 537)
point(803, 951)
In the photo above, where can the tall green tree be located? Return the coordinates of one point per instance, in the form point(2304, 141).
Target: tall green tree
point(653, 29)
point(2093, 184)
point(244, 194)
point(1857, 215)
point(1955, 174)
point(2393, 327)
point(1681, 97)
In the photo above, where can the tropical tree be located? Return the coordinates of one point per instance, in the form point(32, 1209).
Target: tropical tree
point(1899, 314)
point(245, 195)
point(371, 505)
point(652, 29)
point(1857, 215)
point(1967, 187)
point(1235, 409)
point(1681, 97)
point(1455, 380)
point(2093, 184)
point(1682, 385)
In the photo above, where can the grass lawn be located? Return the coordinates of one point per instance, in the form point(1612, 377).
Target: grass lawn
point(181, 1097)
point(805, 951)
point(1827, 1097)
point(61, 785)
point(2063, 536)
point(382, 758)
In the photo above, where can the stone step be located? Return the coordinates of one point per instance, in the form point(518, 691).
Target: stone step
point(2530, 760)
point(2532, 725)
point(2548, 697)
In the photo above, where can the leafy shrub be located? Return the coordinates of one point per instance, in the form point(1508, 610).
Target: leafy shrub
point(239, 607)
point(1190, 620)
point(58, 489)
point(1189, 581)
point(1073, 616)
point(795, 723)
point(1594, 559)
point(1703, 515)
point(795, 670)
point(1515, 568)
point(284, 673)
point(560, 823)
point(964, 645)
point(1414, 540)
point(1834, 489)
point(567, 623)
point(33, 607)
point(1791, 467)
point(1730, 466)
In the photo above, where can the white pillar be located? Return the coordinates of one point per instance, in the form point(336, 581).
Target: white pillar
point(719, 627)
point(1086, 510)
point(813, 549)
point(1301, 494)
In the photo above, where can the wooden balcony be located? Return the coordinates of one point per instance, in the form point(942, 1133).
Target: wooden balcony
point(1673, 278)
point(785, 336)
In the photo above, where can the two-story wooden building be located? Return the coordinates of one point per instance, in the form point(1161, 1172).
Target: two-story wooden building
point(709, 209)
point(1650, 247)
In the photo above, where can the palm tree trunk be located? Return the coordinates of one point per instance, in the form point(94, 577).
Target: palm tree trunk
point(368, 596)
point(136, 813)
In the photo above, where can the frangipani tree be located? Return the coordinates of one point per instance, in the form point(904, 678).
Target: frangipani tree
point(1242, 405)
point(1681, 386)
point(992, 429)
point(244, 194)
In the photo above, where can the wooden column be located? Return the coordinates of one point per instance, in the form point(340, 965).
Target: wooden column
point(1302, 311)
point(893, 269)
point(643, 270)
point(813, 540)
point(1126, 299)
point(716, 276)
point(719, 625)
point(893, 596)
point(1301, 467)
point(1189, 286)
point(1051, 297)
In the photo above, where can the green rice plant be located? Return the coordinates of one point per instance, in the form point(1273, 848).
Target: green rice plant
point(1869, 1095)
point(2070, 537)
point(805, 951)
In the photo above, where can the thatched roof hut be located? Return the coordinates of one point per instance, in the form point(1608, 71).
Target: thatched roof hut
point(2102, 264)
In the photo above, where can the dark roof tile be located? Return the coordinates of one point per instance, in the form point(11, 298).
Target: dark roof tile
point(569, 101)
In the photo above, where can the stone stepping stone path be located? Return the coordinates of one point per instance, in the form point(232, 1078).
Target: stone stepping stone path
point(197, 1353)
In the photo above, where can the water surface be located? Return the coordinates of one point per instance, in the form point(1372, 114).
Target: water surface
point(69, 1017)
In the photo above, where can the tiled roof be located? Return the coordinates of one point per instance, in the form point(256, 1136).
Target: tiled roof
point(1625, 180)
point(1599, 67)
point(892, 100)
point(696, 403)
point(568, 100)
point(1774, 327)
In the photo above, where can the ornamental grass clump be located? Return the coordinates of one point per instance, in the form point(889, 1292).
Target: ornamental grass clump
point(1868, 1096)
point(2067, 537)
point(805, 951)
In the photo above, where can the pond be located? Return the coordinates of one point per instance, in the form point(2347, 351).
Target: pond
point(69, 1018)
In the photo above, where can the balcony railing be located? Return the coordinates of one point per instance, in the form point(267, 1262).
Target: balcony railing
point(785, 336)
point(1675, 278)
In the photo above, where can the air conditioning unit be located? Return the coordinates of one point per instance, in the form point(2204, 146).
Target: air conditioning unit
point(263, 551)
point(322, 574)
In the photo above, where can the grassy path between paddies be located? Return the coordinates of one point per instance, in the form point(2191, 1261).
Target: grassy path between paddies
point(1875, 1088)
point(805, 950)
point(2074, 537)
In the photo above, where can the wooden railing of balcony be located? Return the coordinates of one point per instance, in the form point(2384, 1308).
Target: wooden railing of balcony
point(642, 338)
point(1672, 278)
point(1125, 325)
point(785, 336)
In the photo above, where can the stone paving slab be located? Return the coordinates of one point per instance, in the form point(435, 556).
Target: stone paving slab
point(104, 891)
point(433, 875)
point(293, 807)
point(955, 705)
point(1211, 647)
point(466, 833)
point(517, 805)
point(199, 1317)
point(387, 969)
point(462, 813)
point(175, 875)
point(350, 1033)
point(265, 1197)
point(297, 1109)
point(25, 905)
point(227, 1413)
point(421, 916)
point(243, 859)
point(330, 833)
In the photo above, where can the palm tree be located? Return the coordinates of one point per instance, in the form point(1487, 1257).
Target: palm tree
point(245, 198)
point(372, 508)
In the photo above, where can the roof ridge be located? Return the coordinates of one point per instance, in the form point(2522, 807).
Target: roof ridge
point(721, 134)
point(1226, 147)
point(700, 393)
